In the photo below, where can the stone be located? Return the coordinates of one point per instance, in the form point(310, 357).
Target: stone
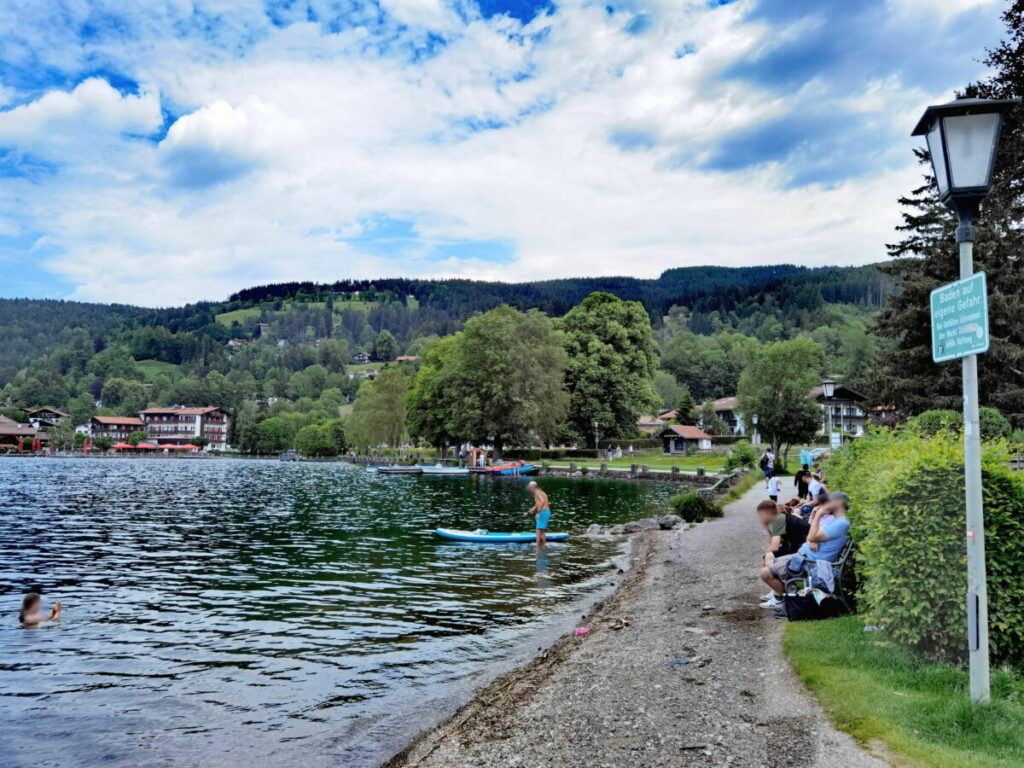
point(617, 530)
point(595, 529)
point(668, 522)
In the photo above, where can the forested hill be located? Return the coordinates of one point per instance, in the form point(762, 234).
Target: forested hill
point(702, 289)
point(743, 299)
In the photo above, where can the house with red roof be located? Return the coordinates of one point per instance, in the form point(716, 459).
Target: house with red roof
point(683, 439)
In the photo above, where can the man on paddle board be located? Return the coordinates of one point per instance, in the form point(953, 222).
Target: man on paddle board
point(541, 511)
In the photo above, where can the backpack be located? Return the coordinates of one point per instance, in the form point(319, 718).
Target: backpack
point(806, 608)
point(763, 462)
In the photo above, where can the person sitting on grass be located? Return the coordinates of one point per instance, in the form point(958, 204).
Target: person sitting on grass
point(786, 534)
point(829, 531)
point(30, 615)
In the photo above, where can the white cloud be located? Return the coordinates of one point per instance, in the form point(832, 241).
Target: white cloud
point(501, 134)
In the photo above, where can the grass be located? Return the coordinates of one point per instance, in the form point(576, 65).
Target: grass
point(922, 713)
point(152, 368)
point(237, 315)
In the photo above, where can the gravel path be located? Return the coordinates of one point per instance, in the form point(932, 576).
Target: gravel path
point(697, 678)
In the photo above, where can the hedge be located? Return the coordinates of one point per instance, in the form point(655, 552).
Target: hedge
point(907, 515)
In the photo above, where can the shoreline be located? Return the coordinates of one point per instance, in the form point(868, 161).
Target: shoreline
point(697, 678)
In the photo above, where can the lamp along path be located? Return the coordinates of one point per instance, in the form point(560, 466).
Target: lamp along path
point(679, 667)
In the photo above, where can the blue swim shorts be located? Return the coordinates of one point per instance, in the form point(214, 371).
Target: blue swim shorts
point(542, 519)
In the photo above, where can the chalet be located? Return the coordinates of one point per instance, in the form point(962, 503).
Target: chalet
point(842, 412)
point(117, 428)
point(681, 438)
point(726, 409)
point(45, 418)
point(180, 425)
point(261, 328)
point(236, 343)
point(360, 358)
point(407, 359)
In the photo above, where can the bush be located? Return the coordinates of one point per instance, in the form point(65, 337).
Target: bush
point(743, 455)
point(993, 424)
point(693, 507)
point(908, 517)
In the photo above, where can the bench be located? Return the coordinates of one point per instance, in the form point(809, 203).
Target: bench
point(794, 583)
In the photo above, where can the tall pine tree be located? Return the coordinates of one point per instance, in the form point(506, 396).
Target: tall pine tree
point(927, 257)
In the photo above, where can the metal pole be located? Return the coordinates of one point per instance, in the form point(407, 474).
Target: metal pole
point(977, 593)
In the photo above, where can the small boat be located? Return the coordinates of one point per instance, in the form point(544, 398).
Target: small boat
point(440, 469)
point(512, 469)
point(399, 470)
point(494, 537)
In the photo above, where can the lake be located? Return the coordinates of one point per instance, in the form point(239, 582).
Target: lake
point(229, 612)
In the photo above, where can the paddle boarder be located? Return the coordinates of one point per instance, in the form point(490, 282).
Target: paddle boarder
point(541, 511)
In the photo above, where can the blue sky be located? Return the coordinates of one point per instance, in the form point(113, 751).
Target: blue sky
point(163, 151)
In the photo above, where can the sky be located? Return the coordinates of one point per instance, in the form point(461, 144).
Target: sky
point(157, 152)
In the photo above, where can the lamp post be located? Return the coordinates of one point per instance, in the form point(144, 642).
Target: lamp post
point(828, 391)
point(962, 138)
point(756, 436)
point(597, 437)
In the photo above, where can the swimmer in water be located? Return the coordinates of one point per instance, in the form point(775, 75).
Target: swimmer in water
point(30, 615)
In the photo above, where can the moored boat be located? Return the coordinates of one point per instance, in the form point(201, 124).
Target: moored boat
point(441, 469)
point(512, 468)
point(400, 470)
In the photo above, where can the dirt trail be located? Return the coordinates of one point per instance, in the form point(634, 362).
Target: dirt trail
point(697, 678)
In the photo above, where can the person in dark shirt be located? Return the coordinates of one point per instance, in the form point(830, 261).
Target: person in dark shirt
point(800, 480)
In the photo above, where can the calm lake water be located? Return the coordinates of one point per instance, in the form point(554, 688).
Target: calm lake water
point(263, 614)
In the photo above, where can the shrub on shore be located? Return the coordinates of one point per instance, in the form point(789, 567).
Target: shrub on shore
point(693, 507)
point(907, 493)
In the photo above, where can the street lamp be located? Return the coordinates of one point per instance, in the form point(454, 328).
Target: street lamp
point(597, 437)
point(962, 139)
point(828, 391)
point(756, 438)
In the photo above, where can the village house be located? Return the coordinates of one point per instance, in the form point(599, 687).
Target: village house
point(360, 358)
point(842, 412)
point(45, 418)
point(179, 425)
point(117, 428)
point(649, 425)
point(682, 439)
point(236, 343)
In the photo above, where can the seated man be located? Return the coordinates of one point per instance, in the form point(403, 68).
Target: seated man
point(786, 534)
point(828, 534)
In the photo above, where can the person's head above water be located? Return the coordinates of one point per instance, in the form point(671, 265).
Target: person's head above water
point(29, 605)
point(531, 485)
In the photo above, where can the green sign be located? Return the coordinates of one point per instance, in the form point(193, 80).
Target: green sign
point(960, 319)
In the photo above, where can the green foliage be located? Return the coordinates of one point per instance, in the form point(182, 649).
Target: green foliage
point(139, 436)
point(200, 441)
point(693, 507)
point(102, 443)
point(378, 416)
point(775, 386)
point(315, 441)
point(385, 346)
point(908, 517)
point(124, 397)
point(62, 435)
point(432, 400)
point(611, 361)
point(670, 391)
point(743, 455)
point(507, 377)
point(710, 421)
point(993, 424)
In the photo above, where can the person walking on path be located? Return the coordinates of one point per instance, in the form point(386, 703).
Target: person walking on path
point(767, 464)
point(541, 511)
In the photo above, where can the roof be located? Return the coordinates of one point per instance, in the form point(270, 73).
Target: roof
point(187, 411)
point(725, 404)
point(33, 411)
point(128, 420)
point(407, 358)
point(668, 415)
point(5, 420)
point(18, 430)
point(685, 430)
point(843, 392)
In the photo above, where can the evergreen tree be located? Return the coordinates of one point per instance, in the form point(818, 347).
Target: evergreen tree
point(927, 257)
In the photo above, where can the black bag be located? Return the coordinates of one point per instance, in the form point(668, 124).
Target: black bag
point(806, 608)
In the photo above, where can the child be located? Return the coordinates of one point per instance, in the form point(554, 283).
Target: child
point(30, 615)
point(773, 485)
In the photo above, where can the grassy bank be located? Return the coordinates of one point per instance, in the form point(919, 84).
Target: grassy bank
point(921, 712)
